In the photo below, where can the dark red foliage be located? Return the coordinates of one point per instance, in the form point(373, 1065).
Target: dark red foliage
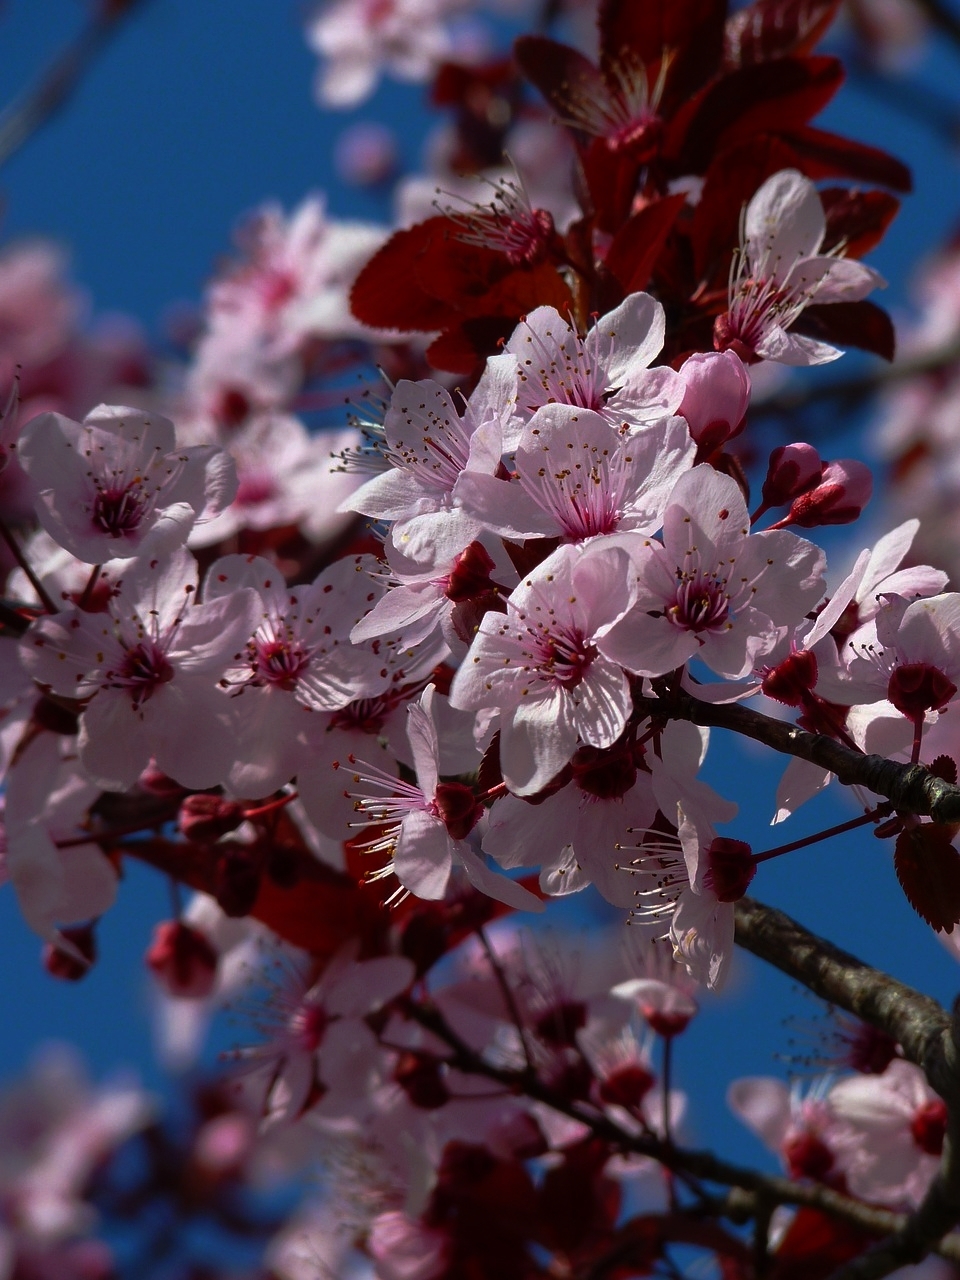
point(928, 868)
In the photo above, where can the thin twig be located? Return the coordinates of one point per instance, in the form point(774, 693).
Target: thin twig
point(37, 104)
point(508, 996)
point(17, 552)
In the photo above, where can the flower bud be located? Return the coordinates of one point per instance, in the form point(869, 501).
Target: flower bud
point(627, 1087)
point(71, 966)
point(792, 470)
point(844, 490)
point(182, 960)
point(716, 398)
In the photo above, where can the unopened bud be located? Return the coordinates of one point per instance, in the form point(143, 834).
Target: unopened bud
point(716, 397)
point(730, 869)
point(237, 880)
point(844, 490)
point(182, 960)
point(792, 470)
point(627, 1087)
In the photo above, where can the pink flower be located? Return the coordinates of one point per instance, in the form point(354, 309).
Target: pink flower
point(429, 443)
point(116, 485)
point(577, 477)
point(149, 668)
point(541, 665)
point(780, 271)
point(892, 1131)
point(711, 589)
point(427, 825)
point(607, 371)
point(297, 660)
point(715, 398)
point(361, 37)
point(799, 1127)
point(316, 1046)
point(46, 800)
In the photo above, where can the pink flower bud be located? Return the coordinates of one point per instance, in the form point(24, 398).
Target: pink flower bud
point(716, 398)
point(793, 469)
point(844, 490)
point(182, 960)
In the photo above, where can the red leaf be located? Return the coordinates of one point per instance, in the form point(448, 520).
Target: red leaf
point(636, 247)
point(321, 915)
point(731, 181)
point(776, 28)
point(850, 324)
point(856, 219)
point(815, 1246)
point(928, 868)
point(389, 292)
point(827, 155)
point(770, 97)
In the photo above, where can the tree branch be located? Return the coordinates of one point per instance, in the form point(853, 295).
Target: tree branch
point(910, 787)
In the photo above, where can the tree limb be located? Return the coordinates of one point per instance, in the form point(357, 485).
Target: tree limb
point(910, 787)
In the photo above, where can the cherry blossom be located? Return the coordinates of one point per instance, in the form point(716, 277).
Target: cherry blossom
point(429, 444)
point(780, 270)
point(116, 485)
point(297, 660)
point(427, 826)
point(148, 668)
point(608, 371)
point(408, 37)
point(577, 478)
point(542, 667)
point(712, 589)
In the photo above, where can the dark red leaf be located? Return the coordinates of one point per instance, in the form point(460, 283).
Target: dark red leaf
point(815, 1246)
point(731, 181)
point(776, 28)
point(928, 868)
point(463, 348)
point(827, 155)
point(771, 97)
point(850, 324)
point(389, 292)
point(856, 219)
point(636, 247)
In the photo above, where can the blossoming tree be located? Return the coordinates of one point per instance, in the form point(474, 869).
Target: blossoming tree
point(379, 696)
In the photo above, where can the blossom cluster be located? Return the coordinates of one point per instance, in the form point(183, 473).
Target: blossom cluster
point(370, 691)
